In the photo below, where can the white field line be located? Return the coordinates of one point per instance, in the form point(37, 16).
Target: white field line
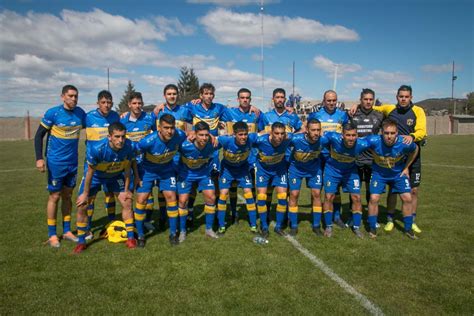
point(16, 170)
point(446, 166)
point(318, 263)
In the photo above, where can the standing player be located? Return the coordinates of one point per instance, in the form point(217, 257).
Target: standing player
point(109, 163)
point(235, 167)
point(97, 123)
point(139, 124)
point(271, 171)
point(159, 149)
point(332, 119)
point(195, 168)
point(368, 122)
point(305, 164)
point(243, 113)
point(341, 170)
point(63, 124)
point(391, 167)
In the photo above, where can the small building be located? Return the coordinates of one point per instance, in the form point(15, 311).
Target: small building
point(462, 124)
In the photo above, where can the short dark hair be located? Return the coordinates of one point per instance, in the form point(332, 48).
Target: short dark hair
point(313, 121)
point(167, 118)
point(170, 86)
point(278, 90)
point(328, 91)
point(389, 122)
point(405, 88)
point(349, 127)
point(201, 126)
point(207, 86)
point(135, 95)
point(68, 87)
point(367, 91)
point(116, 126)
point(243, 90)
point(240, 126)
point(278, 125)
point(104, 94)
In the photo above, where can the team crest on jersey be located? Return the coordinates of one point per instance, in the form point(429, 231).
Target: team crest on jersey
point(410, 122)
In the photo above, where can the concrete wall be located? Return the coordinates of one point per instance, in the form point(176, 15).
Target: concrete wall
point(463, 124)
point(438, 125)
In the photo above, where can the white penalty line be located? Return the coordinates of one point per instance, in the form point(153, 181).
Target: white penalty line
point(446, 166)
point(362, 299)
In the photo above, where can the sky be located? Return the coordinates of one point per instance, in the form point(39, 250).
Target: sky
point(373, 44)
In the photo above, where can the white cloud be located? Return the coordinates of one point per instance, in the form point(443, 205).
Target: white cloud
point(243, 29)
point(441, 68)
point(158, 81)
point(173, 26)
point(229, 3)
point(329, 66)
point(385, 77)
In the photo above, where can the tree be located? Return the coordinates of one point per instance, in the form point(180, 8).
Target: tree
point(123, 105)
point(470, 103)
point(188, 85)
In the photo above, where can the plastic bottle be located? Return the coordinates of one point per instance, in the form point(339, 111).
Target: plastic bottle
point(260, 240)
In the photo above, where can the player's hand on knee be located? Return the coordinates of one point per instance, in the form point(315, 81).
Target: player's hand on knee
point(81, 200)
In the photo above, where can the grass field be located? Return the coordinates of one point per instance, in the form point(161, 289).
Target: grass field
point(232, 275)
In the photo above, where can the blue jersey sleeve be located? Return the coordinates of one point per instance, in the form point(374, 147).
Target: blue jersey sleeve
point(252, 138)
point(297, 123)
point(410, 148)
point(49, 117)
point(345, 118)
point(262, 122)
point(92, 155)
point(182, 135)
point(226, 115)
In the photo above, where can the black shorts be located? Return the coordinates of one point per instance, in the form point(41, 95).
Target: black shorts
point(415, 171)
point(365, 172)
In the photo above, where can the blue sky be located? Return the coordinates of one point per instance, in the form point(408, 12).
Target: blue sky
point(376, 44)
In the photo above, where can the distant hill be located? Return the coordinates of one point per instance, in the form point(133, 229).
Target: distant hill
point(442, 104)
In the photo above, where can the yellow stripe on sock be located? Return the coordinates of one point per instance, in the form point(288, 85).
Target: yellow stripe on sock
point(140, 206)
point(317, 209)
point(248, 195)
point(209, 209)
point(221, 207)
point(139, 217)
point(67, 218)
point(172, 203)
point(172, 214)
point(251, 207)
point(182, 212)
point(281, 208)
point(51, 222)
point(281, 196)
point(293, 209)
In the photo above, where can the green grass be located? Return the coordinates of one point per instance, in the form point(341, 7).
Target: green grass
point(433, 275)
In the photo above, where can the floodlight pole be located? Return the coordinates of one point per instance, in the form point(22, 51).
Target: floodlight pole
point(453, 77)
point(261, 52)
point(108, 79)
point(335, 78)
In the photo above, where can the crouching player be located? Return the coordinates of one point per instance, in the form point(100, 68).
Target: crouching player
point(109, 166)
point(159, 149)
point(235, 167)
point(391, 167)
point(341, 170)
point(195, 168)
point(305, 164)
point(271, 170)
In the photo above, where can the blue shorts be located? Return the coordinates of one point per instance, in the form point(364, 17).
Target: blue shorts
point(141, 172)
point(110, 185)
point(314, 180)
point(204, 183)
point(349, 181)
point(398, 184)
point(242, 177)
point(60, 176)
point(265, 179)
point(165, 182)
point(216, 164)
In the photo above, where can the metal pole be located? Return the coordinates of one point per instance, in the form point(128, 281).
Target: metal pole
point(261, 52)
point(452, 90)
point(335, 78)
point(108, 79)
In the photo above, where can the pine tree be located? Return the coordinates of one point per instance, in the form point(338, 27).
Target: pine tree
point(123, 105)
point(188, 85)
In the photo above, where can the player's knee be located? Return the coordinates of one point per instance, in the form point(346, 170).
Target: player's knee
point(414, 191)
point(54, 197)
point(406, 198)
point(374, 199)
point(330, 197)
point(316, 194)
point(355, 198)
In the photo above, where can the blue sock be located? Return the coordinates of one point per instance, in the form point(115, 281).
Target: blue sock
point(328, 218)
point(139, 218)
point(51, 227)
point(210, 211)
point(81, 232)
point(356, 219)
point(372, 219)
point(233, 200)
point(263, 220)
point(173, 213)
point(293, 215)
point(129, 228)
point(408, 222)
point(317, 212)
point(390, 217)
point(183, 216)
point(66, 224)
point(414, 216)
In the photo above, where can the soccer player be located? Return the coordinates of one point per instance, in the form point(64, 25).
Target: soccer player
point(271, 170)
point(159, 149)
point(391, 167)
point(332, 119)
point(341, 170)
point(97, 123)
point(63, 124)
point(195, 168)
point(305, 164)
point(235, 167)
point(109, 163)
point(411, 124)
point(139, 124)
point(243, 113)
point(368, 122)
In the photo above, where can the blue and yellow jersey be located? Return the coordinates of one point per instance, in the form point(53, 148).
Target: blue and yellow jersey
point(64, 130)
point(291, 121)
point(411, 120)
point(196, 162)
point(181, 115)
point(233, 155)
point(97, 125)
point(157, 154)
point(330, 122)
point(107, 162)
point(234, 115)
point(305, 155)
point(271, 158)
point(342, 159)
point(137, 129)
point(212, 116)
point(389, 161)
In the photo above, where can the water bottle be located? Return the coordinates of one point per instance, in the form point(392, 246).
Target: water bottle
point(260, 240)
